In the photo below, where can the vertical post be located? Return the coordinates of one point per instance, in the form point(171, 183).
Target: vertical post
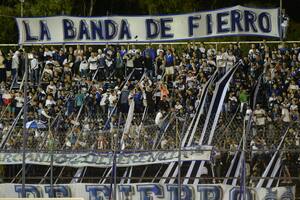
point(179, 160)
point(51, 158)
point(179, 151)
point(280, 20)
point(24, 126)
point(22, 10)
point(243, 181)
point(280, 5)
point(51, 173)
point(22, 14)
point(115, 146)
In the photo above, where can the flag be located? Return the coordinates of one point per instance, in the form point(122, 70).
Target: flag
point(193, 124)
point(212, 118)
point(273, 167)
point(234, 164)
point(127, 123)
point(35, 125)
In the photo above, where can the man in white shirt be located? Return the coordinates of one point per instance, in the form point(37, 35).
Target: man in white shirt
point(51, 88)
point(253, 52)
point(15, 65)
point(34, 70)
point(159, 118)
point(48, 53)
point(129, 57)
point(248, 113)
point(83, 67)
point(112, 99)
point(285, 114)
point(93, 64)
point(19, 103)
point(103, 102)
point(260, 118)
point(284, 24)
point(221, 61)
point(211, 51)
point(160, 49)
point(230, 60)
point(49, 101)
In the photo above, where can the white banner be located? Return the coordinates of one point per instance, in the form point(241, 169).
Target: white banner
point(234, 21)
point(94, 159)
point(147, 191)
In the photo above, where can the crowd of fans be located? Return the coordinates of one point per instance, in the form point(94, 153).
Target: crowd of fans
point(84, 95)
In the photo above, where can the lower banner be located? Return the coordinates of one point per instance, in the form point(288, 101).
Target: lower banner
point(147, 191)
point(96, 159)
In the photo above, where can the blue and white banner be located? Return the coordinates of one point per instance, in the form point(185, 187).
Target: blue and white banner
point(146, 191)
point(234, 21)
point(94, 159)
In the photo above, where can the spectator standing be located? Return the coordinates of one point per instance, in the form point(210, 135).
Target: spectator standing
point(93, 65)
point(243, 98)
point(7, 99)
point(109, 65)
point(285, 115)
point(129, 58)
point(34, 70)
point(119, 66)
point(260, 118)
point(84, 67)
point(159, 64)
point(19, 102)
point(221, 61)
point(284, 24)
point(15, 65)
point(149, 65)
point(169, 65)
point(230, 60)
point(138, 64)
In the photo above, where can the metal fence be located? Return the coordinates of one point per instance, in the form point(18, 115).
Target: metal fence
point(82, 133)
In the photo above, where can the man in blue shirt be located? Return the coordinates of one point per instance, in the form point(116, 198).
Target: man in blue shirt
point(169, 65)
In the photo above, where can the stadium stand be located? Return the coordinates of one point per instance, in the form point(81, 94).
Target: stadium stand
point(80, 99)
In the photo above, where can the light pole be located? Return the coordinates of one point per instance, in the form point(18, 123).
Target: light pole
point(280, 6)
point(280, 19)
point(22, 14)
point(22, 10)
